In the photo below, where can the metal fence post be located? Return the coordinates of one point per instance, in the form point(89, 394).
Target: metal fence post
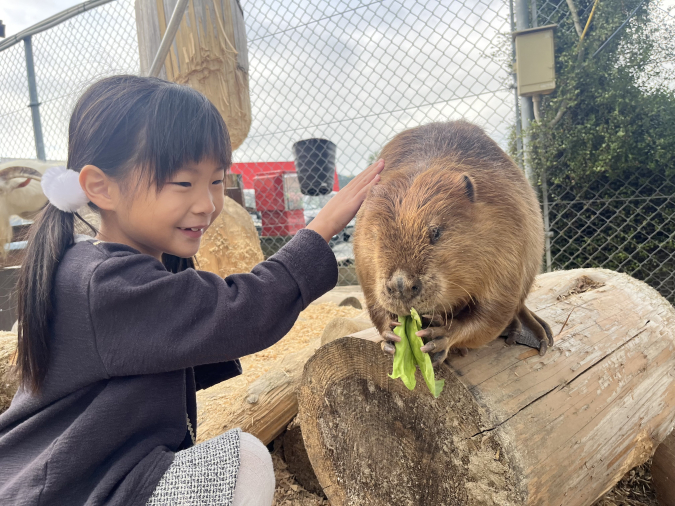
point(34, 104)
point(547, 225)
point(526, 111)
point(526, 117)
point(519, 140)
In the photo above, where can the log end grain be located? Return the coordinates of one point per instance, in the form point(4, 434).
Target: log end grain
point(373, 442)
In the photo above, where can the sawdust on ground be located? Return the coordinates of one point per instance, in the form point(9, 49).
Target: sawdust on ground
point(310, 325)
point(634, 489)
point(8, 383)
point(288, 491)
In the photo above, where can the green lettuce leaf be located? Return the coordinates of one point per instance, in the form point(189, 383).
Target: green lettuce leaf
point(404, 362)
point(408, 355)
point(423, 360)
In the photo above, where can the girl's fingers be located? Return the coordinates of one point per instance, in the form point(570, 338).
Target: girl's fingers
point(366, 176)
point(364, 191)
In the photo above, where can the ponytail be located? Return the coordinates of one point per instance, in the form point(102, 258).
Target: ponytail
point(50, 236)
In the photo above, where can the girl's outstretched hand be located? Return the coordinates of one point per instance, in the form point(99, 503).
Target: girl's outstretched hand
point(340, 210)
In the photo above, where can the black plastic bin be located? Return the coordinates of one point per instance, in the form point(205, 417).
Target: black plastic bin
point(315, 165)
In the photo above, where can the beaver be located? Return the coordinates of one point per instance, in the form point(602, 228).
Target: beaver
point(453, 230)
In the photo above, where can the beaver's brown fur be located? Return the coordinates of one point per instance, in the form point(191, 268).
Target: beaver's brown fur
point(452, 229)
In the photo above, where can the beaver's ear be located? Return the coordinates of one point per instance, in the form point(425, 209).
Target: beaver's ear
point(469, 187)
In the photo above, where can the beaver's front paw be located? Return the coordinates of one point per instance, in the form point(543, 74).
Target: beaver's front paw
point(389, 339)
point(438, 343)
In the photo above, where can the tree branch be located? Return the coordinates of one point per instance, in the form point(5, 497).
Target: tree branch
point(561, 112)
point(575, 17)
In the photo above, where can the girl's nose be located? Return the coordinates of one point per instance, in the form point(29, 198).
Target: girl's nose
point(205, 204)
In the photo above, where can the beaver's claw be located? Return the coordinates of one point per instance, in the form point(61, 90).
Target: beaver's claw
point(389, 339)
point(528, 329)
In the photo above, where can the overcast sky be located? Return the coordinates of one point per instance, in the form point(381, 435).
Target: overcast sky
point(18, 15)
point(353, 71)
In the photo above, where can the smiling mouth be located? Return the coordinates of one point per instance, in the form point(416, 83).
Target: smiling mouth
point(193, 233)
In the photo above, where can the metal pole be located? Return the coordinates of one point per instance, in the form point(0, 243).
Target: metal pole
point(519, 140)
point(526, 111)
point(34, 104)
point(535, 16)
point(167, 40)
point(526, 116)
point(547, 226)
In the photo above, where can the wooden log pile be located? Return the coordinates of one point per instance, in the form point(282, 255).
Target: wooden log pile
point(511, 427)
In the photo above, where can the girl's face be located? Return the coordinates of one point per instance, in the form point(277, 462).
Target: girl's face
point(173, 219)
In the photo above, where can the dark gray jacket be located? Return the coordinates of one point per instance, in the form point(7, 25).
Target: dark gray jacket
point(130, 343)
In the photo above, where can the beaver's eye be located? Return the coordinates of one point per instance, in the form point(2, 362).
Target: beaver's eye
point(435, 234)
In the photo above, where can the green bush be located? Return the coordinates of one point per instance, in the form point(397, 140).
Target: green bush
point(610, 158)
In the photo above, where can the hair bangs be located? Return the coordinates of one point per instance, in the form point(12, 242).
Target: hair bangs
point(182, 127)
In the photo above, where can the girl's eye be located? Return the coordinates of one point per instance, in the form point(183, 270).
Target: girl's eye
point(219, 181)
point(184, 185)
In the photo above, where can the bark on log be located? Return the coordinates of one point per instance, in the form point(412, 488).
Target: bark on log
point(663, 471)
point(209, 54)
point(297, 460)
point(510, 427)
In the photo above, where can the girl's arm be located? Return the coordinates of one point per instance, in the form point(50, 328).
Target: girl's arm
point(146, 320)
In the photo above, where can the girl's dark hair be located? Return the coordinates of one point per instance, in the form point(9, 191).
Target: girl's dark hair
point(122, 125)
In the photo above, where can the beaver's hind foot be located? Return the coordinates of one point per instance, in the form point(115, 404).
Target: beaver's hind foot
point(528, 329)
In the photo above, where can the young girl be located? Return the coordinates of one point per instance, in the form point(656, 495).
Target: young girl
point(117, 332)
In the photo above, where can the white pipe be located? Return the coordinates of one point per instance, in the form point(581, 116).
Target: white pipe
point(167, 40)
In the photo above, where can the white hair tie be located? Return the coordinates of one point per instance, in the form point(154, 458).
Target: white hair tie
point(62, 187)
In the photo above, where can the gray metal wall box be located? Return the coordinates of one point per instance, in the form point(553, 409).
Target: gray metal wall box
point(535, 60)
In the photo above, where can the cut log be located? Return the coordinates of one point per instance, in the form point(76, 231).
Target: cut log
point(209, 53)
point(231, 244)
point(270, 402)
point(341, 327)
point(344, 296)
point(663, 471)
point(297, 460)
point(510, 427)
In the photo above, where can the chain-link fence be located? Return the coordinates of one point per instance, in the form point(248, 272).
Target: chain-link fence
point(617, 214)
point(338, 79)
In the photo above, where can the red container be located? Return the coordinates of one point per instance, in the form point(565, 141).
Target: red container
point(282, 223)
point(269, 192)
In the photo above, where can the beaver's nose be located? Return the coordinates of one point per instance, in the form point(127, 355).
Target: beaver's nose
point(402, 286)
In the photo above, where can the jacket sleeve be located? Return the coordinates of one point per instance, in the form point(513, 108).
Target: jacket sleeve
point(208, 375)
point(146, 320)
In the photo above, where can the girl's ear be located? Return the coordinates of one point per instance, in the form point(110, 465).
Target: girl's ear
point(100, 189)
